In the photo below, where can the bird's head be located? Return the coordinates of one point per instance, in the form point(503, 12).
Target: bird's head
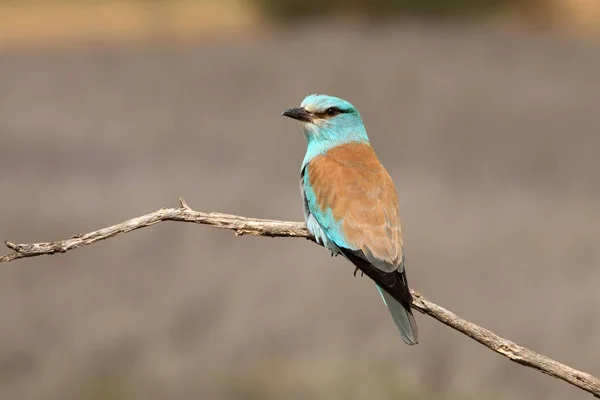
point(328, 120)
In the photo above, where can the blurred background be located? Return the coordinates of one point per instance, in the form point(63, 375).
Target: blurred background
point(484, 112)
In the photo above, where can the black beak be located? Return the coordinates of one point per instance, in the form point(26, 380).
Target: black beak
point(298, 113)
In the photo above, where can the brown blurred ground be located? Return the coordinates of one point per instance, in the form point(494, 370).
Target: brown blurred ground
point(40, 23)
point(491, 137)
point(43, 22)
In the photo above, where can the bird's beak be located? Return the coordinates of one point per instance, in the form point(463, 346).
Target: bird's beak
point(298, 113)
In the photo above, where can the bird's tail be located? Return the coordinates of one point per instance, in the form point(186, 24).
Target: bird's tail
point(403, 317)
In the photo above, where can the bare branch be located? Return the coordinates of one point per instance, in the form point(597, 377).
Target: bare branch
point(514, 352)
point(272, 228)
point(241, 226)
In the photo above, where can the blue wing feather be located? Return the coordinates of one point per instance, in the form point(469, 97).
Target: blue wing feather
point(320, 223)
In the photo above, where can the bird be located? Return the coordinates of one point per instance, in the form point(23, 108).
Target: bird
point(350, 201)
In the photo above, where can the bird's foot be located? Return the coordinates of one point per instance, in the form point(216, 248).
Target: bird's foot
point(361, 272)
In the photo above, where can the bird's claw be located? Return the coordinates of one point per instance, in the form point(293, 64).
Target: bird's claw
point(361, 272)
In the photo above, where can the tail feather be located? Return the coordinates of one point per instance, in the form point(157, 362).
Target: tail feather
point(394, 291)
point(403, 317)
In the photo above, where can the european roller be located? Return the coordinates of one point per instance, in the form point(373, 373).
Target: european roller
point(350, 202)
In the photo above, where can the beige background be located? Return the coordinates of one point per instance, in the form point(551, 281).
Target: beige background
point(491, 136)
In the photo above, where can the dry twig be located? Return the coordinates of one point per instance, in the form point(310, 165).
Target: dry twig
point(265, 227)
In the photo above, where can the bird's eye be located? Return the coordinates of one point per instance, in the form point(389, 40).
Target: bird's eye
point(331, 111)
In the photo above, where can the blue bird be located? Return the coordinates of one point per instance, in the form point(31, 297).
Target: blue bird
point(350, 202)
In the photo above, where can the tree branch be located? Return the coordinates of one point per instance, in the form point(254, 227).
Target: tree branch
point(265, 227)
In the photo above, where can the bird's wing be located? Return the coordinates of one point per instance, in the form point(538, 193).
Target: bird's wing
point(352, 197)
point(350, 200)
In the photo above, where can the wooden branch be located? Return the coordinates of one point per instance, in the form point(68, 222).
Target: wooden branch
point(241, 226)
point(265, 227)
